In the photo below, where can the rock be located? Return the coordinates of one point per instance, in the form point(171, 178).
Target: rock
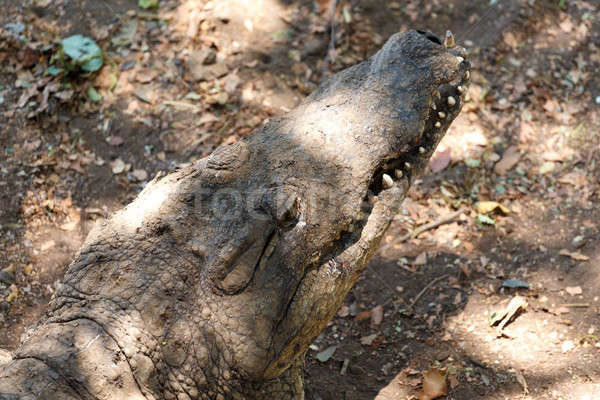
point(313, 47)
point(206, 56)
point(202, 72)
point(231, 82)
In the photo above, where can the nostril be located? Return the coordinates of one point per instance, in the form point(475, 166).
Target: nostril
point(430, 36)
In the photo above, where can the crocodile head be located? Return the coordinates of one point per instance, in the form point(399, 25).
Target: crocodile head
point(222, 273)
point(318, 187)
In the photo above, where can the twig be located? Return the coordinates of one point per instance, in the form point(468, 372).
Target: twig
point(422, 292)
point(430, 225)
point(576, 305)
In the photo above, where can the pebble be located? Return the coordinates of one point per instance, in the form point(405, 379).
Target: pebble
point(597, 99)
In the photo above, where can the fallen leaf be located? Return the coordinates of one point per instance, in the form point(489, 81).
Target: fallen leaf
point(363, 315)
point(546, 167)
point(575, 178)
point(434, 385)
point(93, 94)
point(486, 207)
point(522, 381)
point(368, 340)
point(206, 118)
point(71, 225)
point(115, 140)
point(574, 255)
point(47, 245)
point(574, 290)
point(504, 316)
point(14, 292)
point(376, 315)
point(326, 354)
point(515, 283)
point(509, 159)
point(421, 259)
point(344, 311)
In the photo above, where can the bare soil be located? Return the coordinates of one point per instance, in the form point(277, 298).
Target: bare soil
point(528, 139)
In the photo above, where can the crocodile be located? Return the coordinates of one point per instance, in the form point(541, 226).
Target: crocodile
point(215, 280)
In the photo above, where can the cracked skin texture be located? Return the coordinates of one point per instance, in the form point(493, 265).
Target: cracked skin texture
point(215, 280)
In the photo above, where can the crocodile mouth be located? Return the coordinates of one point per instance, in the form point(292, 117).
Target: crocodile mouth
point(447, 101)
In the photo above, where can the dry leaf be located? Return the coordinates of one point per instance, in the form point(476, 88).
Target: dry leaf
point(509, 159)
point(376, 315)
point(434, 385)
point(47, 245)
point(522, 381)
point(344, 311)
point(421, 259)
point(574, 255)
point(368, 340)
point(72, 224)
point(363, 315)
point(511, 309)
point(574, 290)
point(115, 140)
point(485, 207)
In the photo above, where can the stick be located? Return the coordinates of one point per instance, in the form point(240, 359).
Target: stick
point(422, 292)
point(430, 225)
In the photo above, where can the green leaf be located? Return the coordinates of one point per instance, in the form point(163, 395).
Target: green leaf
point(148, 3)
point(326, 354)
point(54, 70)
point(472, 163)
point(126, 34)
point(93, 95)
point(484, 219)
point(83, 51)
point(193, 96)
point(515, 283)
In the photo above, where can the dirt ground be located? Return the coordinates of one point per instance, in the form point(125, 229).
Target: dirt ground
point(521, 163)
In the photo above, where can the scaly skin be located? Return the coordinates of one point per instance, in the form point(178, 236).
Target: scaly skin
point(215, 280)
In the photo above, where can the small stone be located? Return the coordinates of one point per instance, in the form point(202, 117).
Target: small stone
point(140, 174)
point(205, 56)
point(231, 82)
point(117, 166)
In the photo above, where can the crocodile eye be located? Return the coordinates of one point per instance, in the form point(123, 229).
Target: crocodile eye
point(430, 36)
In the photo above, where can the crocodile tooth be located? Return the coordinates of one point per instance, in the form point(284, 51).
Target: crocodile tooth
point(461, 89)
point(442, 114)
point(451, 101)
point(467, 75)
point(433, 106)
point(387, 181)
point(449, 41)
point(460, 59)
point(438, 124)
point(398, 173)
point(422, 150)
point(407, 165)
